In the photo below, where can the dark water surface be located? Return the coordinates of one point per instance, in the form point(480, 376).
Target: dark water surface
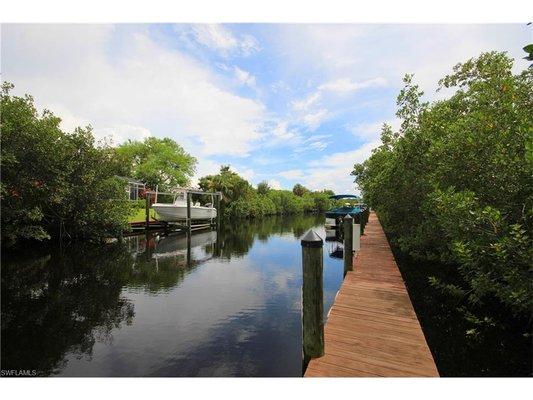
point(226, 304)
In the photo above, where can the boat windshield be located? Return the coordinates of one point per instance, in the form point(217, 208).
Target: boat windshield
point(180, 197)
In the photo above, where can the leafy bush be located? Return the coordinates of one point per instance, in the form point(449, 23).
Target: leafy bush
point(54, 184)
point(454, 183)
point(156, 162)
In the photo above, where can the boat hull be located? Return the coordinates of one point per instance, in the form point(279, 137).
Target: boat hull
point(173, 213)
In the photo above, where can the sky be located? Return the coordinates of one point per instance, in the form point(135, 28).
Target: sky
point(285, 103)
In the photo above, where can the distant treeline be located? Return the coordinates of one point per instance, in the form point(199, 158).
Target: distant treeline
point(61, 186)
point(241, 200)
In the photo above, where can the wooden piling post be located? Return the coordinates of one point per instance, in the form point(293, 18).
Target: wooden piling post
point(356, 237)
point(189, 256)
point(312, 296)
point(212, 205)
point(189, 212)
point(348, 243)
point(147, 210)
point(217, 206)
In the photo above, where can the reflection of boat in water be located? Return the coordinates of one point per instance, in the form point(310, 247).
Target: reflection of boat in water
point(169, 246)
point(337, 251)
point(162, 262)
point(177, 210)
point(176, 247)
point(334, 244)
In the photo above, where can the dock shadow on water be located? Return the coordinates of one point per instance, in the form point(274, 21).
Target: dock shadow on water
point(224, 303)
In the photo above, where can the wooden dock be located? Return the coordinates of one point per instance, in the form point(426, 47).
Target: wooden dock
point(372, 328)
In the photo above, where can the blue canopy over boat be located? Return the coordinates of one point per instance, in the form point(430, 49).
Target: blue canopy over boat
point(339, 212)
point(343, 196)
point(342, 211)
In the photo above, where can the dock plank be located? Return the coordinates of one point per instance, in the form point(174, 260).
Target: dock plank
point(372, 328)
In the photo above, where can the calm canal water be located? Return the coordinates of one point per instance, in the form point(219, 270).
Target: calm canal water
point(227, 304)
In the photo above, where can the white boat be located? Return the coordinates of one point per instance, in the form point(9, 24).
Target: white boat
point(177, 210)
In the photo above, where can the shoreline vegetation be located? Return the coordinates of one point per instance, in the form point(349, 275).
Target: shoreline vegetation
point(453, 191)
point(59, 186)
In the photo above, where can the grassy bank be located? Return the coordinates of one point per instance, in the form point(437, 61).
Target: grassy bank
point(139, 215)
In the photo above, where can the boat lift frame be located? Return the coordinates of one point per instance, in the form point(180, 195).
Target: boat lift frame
point(186, 224)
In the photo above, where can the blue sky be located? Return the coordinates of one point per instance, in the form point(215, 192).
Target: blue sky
point(285, 103)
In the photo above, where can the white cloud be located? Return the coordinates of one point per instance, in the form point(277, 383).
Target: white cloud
point(69, 121)
point(313, 138)
point(249, 45)
point(215, 36)
point(244, 77)
point(347, 85)
point(311, 144)
point(339, 165)
point(291, 174)
point(363, 51)
point(118, 134)
point(314, 119)
point(279, 87)
point(303, 105)
point(369, 131)
point(274, 184)
point(348, 158)
point(247, 173)
point(140, 84)
point(220, 38)
point(204, 167)
point(282, 131)
point(318, 145)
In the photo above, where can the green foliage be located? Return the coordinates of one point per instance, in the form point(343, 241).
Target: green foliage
point(54, 184)
point(299, 190)
point(321, 201)
point(454, 183)
point(263, 187)
point(529, 50)
point(232, 186)
point(241, 200)
point(156, 162)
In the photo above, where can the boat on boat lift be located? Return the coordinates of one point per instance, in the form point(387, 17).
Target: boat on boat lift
point(335, 215)
point(177, 210)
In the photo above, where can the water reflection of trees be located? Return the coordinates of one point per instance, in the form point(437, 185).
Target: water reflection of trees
point(237, 237)
point(161, 263)
point(61, 303)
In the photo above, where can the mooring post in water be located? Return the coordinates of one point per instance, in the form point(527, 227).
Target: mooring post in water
point(149, 244)
point(189, 212)
point(217, 207)
point(189, 256)
point(147, 210)
point(348, 243)
point(312, 296)
point(212, 205)
point(216, 204)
